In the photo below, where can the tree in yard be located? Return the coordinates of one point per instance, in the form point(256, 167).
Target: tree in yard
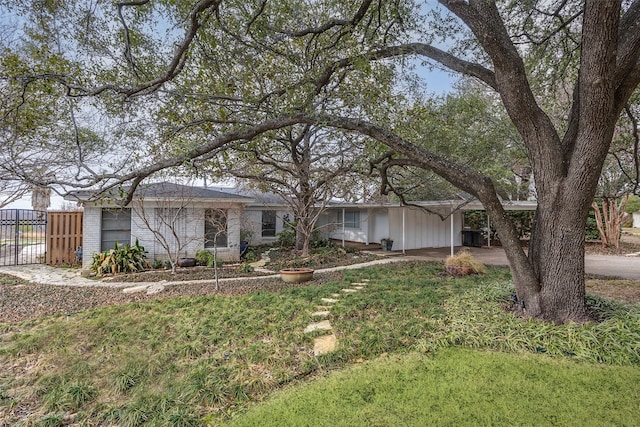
point(611, 201)
point(215, 234)
point(306, 166)
point(620, 176)
point(229, 71)
point(11, 191)
point(167, 211)
point(625, 149)
point(566, 161)
point(484, 139)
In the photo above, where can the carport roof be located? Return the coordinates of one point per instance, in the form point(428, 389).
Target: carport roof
point(434, 204)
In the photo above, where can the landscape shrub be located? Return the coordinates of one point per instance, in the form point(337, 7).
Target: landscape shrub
point(120, 259)
point(287, 238)
point(204, 257)
point(463, 264)
point(246, 267)
point(523, 221)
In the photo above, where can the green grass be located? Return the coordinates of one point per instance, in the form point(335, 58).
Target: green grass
point(459, 388)
point(204, 360)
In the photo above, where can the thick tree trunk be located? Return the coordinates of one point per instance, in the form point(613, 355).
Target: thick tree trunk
point(549, 280)
point(556, 252)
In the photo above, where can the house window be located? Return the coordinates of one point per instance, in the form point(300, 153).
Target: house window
point(215, 228)
point(170, 218)
point(268, 223)
point(116, 227)
point(351, 219)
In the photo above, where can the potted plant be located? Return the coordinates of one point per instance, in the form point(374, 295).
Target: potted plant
point(296, 275)
point(386, 244)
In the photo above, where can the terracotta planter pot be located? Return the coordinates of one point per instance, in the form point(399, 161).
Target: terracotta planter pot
point(296, 275)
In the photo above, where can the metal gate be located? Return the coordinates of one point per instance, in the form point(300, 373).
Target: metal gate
point(22, 236)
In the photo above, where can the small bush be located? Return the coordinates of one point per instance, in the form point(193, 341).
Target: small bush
point(204, 257)
point(318, 242)
point(287, 238)
point(463, 264)
point(251, 256)
point(245, 267)
point(120, 259)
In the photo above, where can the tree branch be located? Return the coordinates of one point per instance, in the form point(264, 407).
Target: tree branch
point(627, 76)
point(174, 68)
point(357, 17)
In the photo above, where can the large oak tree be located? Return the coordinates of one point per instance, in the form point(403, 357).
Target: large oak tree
point(212, 72)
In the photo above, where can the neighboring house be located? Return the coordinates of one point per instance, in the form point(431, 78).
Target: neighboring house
point(636, 219)
point(189, 209)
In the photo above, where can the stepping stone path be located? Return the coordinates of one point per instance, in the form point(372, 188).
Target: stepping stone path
point(327, 343)
point(150, 289)
point(262, 263)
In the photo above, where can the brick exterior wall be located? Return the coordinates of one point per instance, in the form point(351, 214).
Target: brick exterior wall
point(190, 228)
point(91, 234)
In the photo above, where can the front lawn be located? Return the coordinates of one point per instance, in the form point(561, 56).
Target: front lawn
point(208, 359)
point(459, 387)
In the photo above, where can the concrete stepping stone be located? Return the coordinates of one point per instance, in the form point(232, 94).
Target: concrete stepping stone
point(259, 264)
point(329, 300)
point(359, 284)
point(323, 308)
point(324, 344)
point(156, 288)
point(134, 289)
point(349, 291)
point(359, 288)
point(323, 313)
point(335, 295)
point(320, 326)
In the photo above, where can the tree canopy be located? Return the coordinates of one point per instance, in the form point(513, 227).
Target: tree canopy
point(210, 73)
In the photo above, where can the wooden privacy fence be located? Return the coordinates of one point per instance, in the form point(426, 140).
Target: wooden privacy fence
point(64, 236)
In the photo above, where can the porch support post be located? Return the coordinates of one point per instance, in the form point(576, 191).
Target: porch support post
point(488, 230)
point(343, 228)
point(403, 230)
point(451, 237)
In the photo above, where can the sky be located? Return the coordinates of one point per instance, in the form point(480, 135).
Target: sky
point(25, 203)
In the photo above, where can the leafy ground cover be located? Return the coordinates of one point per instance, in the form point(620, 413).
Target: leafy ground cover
point(195, 357)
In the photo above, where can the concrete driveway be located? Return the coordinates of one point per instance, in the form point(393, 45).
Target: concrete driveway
point(606, 265)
